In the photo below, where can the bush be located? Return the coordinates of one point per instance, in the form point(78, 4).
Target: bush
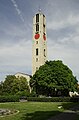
point(23, 93)
point(32, 94)
point(53, 99)
point(75, 99)
point(10, 98)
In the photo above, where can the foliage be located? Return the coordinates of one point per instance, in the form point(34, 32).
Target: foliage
point(53, 99)
point(10, 98)
point(14, 86)
point(53, 79)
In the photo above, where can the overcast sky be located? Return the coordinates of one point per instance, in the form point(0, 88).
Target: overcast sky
point(62, 19)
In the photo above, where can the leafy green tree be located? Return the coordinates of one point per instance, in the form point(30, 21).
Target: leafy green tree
point(20, 86)
point(8, 84)
point(1, 87)
point(52, 79)
point(13, 85)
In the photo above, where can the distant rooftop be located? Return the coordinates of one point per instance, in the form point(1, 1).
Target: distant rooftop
point(23, 74)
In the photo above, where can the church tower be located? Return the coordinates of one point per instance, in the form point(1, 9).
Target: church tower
point(39, 45)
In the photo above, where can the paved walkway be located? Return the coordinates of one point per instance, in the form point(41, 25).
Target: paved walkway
point(67, 114)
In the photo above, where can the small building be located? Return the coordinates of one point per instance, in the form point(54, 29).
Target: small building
point(27, 76)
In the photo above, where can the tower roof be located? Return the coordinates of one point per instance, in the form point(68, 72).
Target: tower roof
point(40, 12)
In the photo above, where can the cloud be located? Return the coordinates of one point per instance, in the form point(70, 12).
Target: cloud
point(17, 10)
point(69, 55)
point(17, 54)
point(71, 20)
point(15, 59)
point(13, 34)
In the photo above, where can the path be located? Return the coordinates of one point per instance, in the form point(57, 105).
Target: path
point(67, 114)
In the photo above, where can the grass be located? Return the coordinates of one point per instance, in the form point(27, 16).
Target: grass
point(33, 110)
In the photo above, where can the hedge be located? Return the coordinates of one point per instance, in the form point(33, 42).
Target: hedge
point(53, 99)
point(11, 98)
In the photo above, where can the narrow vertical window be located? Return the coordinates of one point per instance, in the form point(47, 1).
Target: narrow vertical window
point(37, 51)
point(36, 68)
point(37, 18)
point(36, 42)
point(44, 53)
point(43, 19)
point(36, 59)
point(44, 28)
point(43, 23)
point(37, 27)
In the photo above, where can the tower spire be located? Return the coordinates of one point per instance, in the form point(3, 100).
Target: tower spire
point(39, 10)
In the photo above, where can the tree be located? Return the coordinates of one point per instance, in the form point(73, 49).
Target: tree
point(1, 87)
point(53, 78)
point(8, 84)
point(13, 85)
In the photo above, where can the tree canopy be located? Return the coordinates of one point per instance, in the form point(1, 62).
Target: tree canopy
point(14, 86)
point(53, 78)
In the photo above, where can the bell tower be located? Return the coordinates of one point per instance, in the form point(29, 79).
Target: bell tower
point(39, 43)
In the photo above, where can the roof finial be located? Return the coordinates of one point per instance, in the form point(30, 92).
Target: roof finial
point(39, 10)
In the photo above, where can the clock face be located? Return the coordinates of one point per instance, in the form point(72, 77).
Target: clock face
point(37, 36)
point(44, 37)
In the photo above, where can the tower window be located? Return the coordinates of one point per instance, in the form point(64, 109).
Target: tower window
point(37, 18)
point(44, 53)
point(37, 51)
point(44, 28)
point(43, 19)
point(37, 27)
point(36, 68)
point(36, 59)
point(36, 42)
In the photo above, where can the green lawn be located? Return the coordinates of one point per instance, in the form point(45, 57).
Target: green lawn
point(33, 110)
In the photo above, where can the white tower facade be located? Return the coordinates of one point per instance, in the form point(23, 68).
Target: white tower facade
point(39, 44)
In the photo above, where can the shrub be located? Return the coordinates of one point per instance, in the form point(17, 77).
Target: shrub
point(75, 99)
point(53, 99)
point(10, 98)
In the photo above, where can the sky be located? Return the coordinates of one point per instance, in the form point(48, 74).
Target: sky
point(16, 24)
